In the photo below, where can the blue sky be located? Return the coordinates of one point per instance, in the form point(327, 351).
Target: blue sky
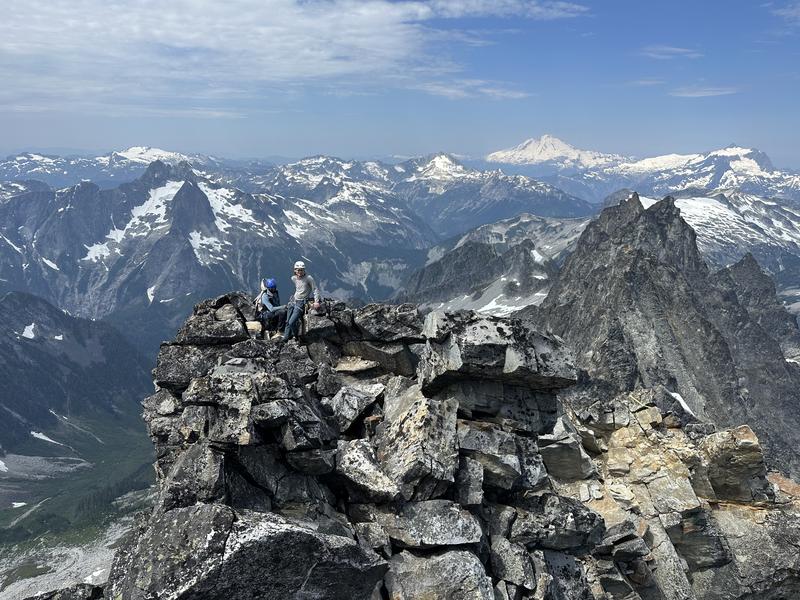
point(381, 77)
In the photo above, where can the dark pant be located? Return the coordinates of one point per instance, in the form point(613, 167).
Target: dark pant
point(295, 312)
point(274, 320)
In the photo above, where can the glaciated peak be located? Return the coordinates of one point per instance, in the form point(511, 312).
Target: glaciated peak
point(440, 166)
point(550, 149)
point(147, 154)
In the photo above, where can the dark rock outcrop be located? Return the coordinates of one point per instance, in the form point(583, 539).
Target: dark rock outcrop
point(281, 477)
point(641, 308)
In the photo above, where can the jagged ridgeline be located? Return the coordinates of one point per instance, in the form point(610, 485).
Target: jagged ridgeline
point(391, 455)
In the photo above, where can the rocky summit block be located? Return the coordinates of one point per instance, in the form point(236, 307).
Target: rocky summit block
point(383, 455)
point(467, 346)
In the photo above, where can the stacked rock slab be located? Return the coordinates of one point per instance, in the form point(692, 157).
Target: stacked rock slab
point(391, 455)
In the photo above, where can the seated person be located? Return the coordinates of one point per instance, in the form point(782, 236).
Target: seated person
point(269, 310)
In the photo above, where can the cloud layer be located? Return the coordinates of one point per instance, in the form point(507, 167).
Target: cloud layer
point(122, 55)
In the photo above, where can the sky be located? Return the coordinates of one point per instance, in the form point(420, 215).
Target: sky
point(260, 78)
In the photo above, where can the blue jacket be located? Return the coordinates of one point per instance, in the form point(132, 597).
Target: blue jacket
point(269, 300)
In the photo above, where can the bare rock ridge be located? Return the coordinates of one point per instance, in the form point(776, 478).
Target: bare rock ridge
point(391, 455)
point(641, 309)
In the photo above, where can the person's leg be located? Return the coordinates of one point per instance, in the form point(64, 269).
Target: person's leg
point(294, 314)
point(280, 315)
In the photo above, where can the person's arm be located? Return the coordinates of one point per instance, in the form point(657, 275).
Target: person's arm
point(316, 290)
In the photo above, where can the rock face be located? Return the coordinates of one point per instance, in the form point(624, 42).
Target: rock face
point(285, 478)
point(641, 308)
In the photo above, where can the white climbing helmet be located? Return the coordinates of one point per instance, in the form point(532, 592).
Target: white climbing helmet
point(300, 265)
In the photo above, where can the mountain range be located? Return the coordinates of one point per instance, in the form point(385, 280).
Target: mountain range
point(593, 176)
point(653, 292)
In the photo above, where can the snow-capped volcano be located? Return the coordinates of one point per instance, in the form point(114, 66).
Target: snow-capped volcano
point(554, 152)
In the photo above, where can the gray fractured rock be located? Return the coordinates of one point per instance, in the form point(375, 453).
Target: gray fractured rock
point(498, 518)
point(316, 461)
point(563, 453)
point(196, 476)
point(494, 449)
point(736, 468)
point(654, 314)
point(509, 461)
point(356, 462)
point(567, 579)
point(230, 396)
point(355, 364)
point(464, 345)
point(185, 545)
point(469, 482)
point(534, 411)
point(756, 292)
point(221, 326)
point(418, 449)
point(425, 524)
point(272, 558)
point(210, 551)
point(761, 566)
point(80, 591)
point(511, 562)
point(456, 574)
point(329, 381)
point(390, 323)
point(696, 539)
point(347, 405)
point(401, 393)
point(307, 426)
point(373, 536)
point(557, 523)
point(177, 365)
point(262, 469)
point(294, 364)
point(394, 357)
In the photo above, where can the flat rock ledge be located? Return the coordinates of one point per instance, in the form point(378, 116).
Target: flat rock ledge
point(391, 455)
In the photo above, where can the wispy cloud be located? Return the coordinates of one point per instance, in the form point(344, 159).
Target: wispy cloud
point(647, 82)
point(790, 12)
point(543, 11)
point(669, 52)
point(703, 91)
point(205, 52)
point(471, 88)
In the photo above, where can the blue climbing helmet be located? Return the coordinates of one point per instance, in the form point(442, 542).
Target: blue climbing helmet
point(268, 284)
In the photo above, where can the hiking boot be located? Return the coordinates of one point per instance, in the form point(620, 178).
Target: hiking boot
point(276, 336)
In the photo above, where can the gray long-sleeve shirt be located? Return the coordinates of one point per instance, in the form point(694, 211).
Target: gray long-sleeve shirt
point(303, 287)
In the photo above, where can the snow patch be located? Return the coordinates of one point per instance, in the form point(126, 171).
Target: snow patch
point(682, 402)
point(29, 331)
point(12, 244)
point(151, 293)
point(59, 337)
point(17, 504)
point(225, 209)
point(40, 436)
point(50, 264)
point(206, 249)
point(3, 467)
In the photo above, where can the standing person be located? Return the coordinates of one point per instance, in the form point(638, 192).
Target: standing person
point(304, 286)
point(270, 312)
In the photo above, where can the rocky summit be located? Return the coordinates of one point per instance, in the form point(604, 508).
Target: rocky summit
point(394, 455)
